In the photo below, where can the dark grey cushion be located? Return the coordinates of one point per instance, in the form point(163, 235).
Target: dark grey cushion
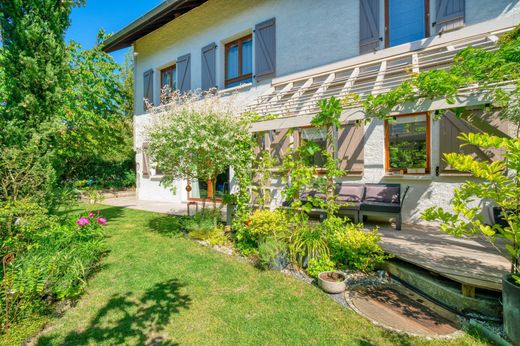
point(382, 193)
point(350, 193)
point(381, 207)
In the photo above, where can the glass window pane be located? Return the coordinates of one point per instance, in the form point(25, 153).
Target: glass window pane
point(174, 79)
point(318, 136)
point(232, 62)
point(165, 79)
point(222, 185)
point(406, 21)
point(199, 189)
point(407, 142)
point(247, 57)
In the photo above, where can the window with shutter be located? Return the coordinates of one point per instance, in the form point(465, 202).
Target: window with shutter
point(449, 15)
point(369, 34)
point(208, 66)
point(168, 81)
point(452, 127)
point(351, 143)
point(407, 143)
point(148, 88)
point(265, 49)
point(184, 73)
point(238, 62)
point(406, 21)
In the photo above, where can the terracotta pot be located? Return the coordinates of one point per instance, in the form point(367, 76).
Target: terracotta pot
point(332, 286)
point(511, 306)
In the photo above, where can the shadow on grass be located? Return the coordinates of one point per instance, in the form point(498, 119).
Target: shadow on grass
point(168, 225)
point(126, 319)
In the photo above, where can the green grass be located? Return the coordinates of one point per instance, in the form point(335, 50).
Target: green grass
point(157, 287)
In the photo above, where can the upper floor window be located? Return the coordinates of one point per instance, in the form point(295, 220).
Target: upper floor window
point(169, 79)
point(408, 144)
point(406, 21)
point(239, 62)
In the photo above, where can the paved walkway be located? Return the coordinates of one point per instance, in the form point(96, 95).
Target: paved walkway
point(132, 202)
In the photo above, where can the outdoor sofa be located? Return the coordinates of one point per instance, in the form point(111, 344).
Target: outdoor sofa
point(360, 200)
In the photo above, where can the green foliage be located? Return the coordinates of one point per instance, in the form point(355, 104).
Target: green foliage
point(203, 221)
point(34, 66)
point(307, 241)
point(262, 173)
point(213, 235)
point(53, 257)
point(330, 111)
point(498, 183)
point(320, 265)
point(269, 252)
point(192, 138)
point(356, 248)
point(265, 224)
point(96, 135)
point(27, 171)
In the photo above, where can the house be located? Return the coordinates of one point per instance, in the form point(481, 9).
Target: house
point(282, 56)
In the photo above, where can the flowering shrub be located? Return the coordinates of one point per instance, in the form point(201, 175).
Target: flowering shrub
point(56, 261)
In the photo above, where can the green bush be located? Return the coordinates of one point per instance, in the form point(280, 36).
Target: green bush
point(53, 260)
point(21, 222)
point(308, 241)
point(266, 223)
point(269, 252)
point(213, 235)
point(320, 264)
point(356, 248)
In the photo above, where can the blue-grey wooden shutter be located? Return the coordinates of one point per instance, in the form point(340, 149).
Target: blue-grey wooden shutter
point(209, 66)
point(265, 49)
point(148, 88)
point(184, 73)
point(369, 35)
point(449, 15)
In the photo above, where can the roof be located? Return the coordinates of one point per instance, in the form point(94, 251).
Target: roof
point(151, 21)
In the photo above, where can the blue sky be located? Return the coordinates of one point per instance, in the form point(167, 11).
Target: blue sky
point(110, 15)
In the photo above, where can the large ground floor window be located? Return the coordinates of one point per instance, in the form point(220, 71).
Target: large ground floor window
point(408, 143)
point(203, 190)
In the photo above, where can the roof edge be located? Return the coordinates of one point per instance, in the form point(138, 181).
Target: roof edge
point(124, 37)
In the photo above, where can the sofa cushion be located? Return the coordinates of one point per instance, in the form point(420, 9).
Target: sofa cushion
point(350, 193)
point(381, 207)
point(382, 193)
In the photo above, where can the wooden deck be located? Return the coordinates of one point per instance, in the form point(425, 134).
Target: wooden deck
point(473, 262)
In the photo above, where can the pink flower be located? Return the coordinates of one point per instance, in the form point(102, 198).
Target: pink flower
point(82, 221)
point(101, 220)
point(91, 214)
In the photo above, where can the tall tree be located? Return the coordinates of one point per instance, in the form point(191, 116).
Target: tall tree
point(98, 129)
point(34, 65)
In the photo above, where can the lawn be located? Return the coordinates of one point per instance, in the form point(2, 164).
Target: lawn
point(158, 287)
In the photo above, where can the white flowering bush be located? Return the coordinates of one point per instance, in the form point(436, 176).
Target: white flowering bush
point(197, 136)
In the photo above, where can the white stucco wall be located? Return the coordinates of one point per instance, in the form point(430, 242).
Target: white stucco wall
point(309, 33)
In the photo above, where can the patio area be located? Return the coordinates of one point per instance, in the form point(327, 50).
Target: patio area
point(472, 262)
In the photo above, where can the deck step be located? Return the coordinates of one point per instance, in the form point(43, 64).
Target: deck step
point(445, 291)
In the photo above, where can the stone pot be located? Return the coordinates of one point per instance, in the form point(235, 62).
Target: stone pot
point(332, 282)
point(511, 308)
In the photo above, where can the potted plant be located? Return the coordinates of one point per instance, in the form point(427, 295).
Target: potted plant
point(500, 185)
point(332, 281)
